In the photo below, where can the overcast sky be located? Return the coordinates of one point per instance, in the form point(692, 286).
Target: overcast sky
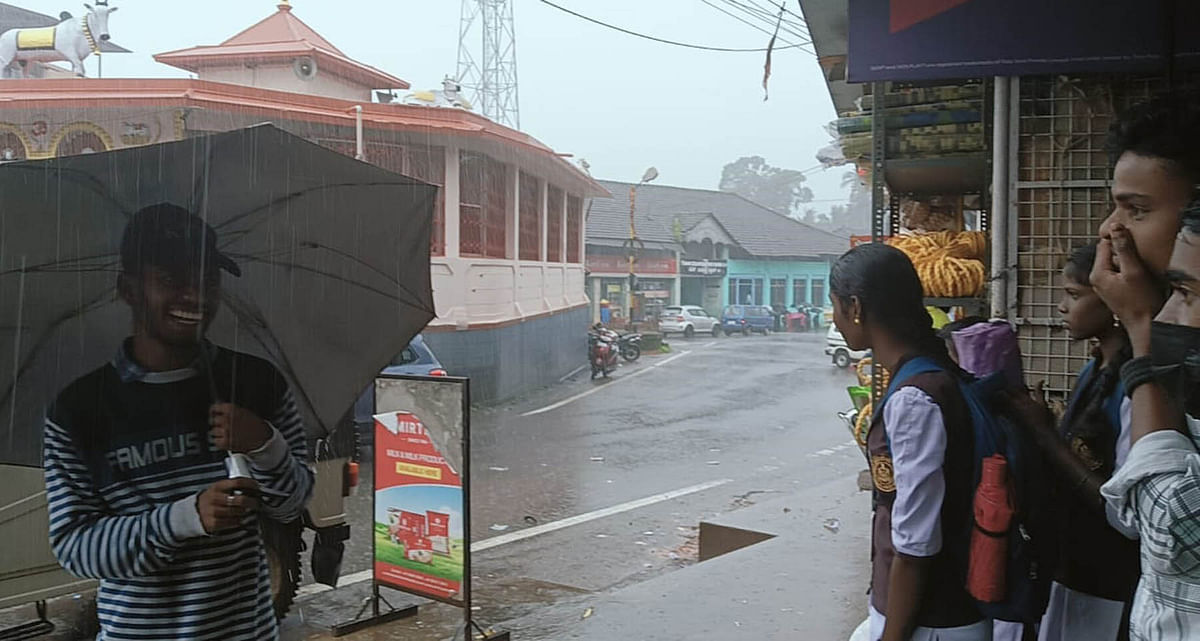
point(620, 102)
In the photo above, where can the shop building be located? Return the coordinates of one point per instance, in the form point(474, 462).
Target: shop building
point(706, 248)
point(1033, 150)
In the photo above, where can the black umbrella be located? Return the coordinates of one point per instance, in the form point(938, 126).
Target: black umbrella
point(334, 254)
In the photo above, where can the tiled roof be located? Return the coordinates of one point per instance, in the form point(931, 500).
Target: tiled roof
point(280, 36)
point(758, 230)
point(174, 93)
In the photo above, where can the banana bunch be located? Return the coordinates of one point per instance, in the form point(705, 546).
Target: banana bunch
point(950, 264)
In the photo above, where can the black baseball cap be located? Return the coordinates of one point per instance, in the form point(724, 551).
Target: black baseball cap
point(169, 236)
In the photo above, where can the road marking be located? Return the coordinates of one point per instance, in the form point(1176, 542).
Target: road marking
point(573, 372)
point(711, 344)
point(572, 399)
point(504, 539)
point(834, 450)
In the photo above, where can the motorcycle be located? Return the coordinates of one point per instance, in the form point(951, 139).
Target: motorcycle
point(630, 346)
point(602, 352)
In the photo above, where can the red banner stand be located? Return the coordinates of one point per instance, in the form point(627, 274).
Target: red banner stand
point(380, 616)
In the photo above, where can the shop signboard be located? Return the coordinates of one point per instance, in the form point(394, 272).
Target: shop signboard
point(421, 510)
point(654, 288)
point(611, 264)
point(931, 39)
point(707, 268)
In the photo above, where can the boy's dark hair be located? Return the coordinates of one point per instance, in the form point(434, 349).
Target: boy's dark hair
point(1191, 217)
point(167, 235)
point(1079, 264)
point(1166, 127)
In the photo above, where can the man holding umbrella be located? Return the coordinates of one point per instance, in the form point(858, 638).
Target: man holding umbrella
point(138, 454)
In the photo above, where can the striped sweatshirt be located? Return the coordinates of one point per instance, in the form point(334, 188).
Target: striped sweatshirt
point(126, 453)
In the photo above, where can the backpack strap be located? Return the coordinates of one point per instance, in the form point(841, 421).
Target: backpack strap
point(912, 367)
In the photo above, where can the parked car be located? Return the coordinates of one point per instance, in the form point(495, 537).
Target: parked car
point(839, 351)
point(746, 319)
point(687, 320)
point(415, 360)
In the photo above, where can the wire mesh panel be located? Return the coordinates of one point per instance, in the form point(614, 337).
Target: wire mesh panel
point(1063, 171)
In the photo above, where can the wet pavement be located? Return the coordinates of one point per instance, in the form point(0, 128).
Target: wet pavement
point(587, 499)
point(714, 427)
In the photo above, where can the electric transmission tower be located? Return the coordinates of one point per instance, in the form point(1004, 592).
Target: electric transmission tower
point(487, 59)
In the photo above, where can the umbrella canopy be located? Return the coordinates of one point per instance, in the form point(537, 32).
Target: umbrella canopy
point(334, 255)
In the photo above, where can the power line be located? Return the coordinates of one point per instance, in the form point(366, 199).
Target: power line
point(782, 8)
point(768, 18)
point(742, 20)
point(766, 26)
point(656, 39)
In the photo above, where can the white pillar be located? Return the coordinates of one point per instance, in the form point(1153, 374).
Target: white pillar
point(596, 299)
point(512, 218)
point(678, 288)
point(562, 227)
point(451, 195)
point(542, 209)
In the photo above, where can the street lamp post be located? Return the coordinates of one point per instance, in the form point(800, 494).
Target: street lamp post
point(633, 241)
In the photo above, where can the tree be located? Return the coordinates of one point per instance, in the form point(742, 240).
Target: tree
point(776, 188)
point(855, 215)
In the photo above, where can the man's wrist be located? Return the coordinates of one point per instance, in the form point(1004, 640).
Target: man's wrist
point(1138, 330)
point(185, 518)
point(272, 452)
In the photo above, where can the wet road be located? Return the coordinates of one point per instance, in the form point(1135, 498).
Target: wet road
point(589, 487)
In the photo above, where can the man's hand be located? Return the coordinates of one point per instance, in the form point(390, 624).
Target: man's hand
point(220, 509)
point(1124, 283)
point(237, 429)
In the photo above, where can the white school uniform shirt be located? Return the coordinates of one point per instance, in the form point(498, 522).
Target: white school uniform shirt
point(917, 436)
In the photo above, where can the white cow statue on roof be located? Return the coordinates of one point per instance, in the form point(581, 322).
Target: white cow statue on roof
point(72, 40)
point(449, 96)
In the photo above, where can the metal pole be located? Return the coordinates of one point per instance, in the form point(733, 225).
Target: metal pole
point(632, 245)
point(998, 219)
point(358, 133)
point(879, 206)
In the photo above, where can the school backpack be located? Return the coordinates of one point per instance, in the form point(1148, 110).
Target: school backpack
point(1031, 545)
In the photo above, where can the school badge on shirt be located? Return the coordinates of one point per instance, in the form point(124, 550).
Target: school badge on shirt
point(881, 473)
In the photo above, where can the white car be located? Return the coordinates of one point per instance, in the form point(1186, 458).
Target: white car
point(687, 320)
point(836, 348)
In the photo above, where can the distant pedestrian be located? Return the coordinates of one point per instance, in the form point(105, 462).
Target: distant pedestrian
point(921, 449)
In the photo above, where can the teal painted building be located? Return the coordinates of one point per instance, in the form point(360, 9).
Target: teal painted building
point(788, 282)
point(729, 250)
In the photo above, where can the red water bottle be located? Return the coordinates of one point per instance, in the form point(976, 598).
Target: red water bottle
point(989, 538)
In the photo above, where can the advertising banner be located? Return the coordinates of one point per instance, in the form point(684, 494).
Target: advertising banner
point(931, 39)
point(420, 506)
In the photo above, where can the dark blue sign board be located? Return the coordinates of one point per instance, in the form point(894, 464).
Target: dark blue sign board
point(914, 40)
